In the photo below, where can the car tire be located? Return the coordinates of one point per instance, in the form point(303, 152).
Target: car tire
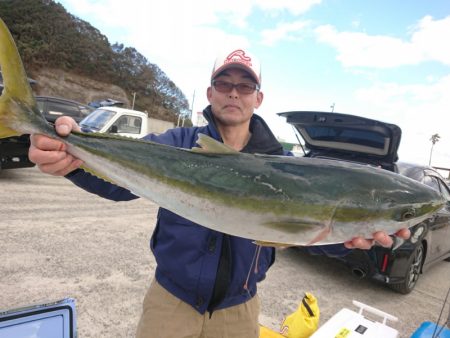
point(415, 263)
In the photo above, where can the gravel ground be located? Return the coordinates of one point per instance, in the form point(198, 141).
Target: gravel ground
point(58, 241)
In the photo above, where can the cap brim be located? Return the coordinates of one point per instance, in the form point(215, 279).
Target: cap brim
point(236, 65)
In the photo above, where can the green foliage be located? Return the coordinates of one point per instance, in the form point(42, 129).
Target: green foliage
point(52, 37)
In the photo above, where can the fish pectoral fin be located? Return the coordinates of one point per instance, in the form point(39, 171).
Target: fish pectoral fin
point(211, 146)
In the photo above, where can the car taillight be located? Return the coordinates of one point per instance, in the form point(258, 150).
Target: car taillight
point(384, 263)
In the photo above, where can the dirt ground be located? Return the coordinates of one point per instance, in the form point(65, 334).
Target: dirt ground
point(58, 241)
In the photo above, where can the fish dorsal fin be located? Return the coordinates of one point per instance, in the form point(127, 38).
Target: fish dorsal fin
point(211, 146)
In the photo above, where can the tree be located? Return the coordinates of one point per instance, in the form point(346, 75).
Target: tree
point(434, 138)
point(50, 37)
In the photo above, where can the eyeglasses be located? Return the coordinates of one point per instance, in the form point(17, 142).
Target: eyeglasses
point(242, 88)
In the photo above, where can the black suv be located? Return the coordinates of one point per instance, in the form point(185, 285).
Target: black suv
point(54, 107)
point(14, 150)
point(351, 138)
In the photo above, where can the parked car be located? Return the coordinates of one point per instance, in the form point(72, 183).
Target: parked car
point(351, 138)
point(54, 107)
point(14, 150)
point(106, 103)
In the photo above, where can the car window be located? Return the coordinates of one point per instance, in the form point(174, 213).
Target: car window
point(85, 111)
point(56, 108)
point(431, 182)
point(445, 190)
point(98, 119)
point(128, 124)
point(346, 135)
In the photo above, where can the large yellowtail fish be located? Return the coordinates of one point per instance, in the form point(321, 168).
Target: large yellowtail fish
point(272, 199)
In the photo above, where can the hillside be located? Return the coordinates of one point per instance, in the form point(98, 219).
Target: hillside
point(72, 59)
point(60, 83)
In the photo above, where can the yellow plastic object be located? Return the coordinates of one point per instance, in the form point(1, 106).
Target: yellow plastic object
point(300, 324)
point(265, 332)
point(303, 322)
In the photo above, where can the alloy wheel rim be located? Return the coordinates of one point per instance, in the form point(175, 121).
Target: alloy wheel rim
point(414, 270)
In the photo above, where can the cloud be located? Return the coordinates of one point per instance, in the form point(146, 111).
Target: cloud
point(184, 13)
point(284, 31)
point(421, 110)
point(295, 7)
point(181, 37)
point(357, 49)
point(429, 36)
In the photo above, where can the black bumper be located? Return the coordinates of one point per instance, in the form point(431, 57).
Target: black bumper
point(14, 152)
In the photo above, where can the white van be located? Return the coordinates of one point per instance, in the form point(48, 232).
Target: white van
point(115, 120)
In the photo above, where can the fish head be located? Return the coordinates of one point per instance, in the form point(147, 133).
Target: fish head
point(415, 213)
point(411, 206)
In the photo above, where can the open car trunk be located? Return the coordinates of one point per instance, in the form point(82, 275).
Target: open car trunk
point(347, 137)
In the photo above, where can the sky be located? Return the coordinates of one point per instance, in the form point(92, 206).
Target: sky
point(384, 60)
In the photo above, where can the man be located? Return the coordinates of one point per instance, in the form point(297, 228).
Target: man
point(205, 281)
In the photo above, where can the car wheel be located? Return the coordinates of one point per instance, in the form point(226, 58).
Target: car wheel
point(412, 275)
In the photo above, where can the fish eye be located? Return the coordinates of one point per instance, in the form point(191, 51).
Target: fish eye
point(408, 214)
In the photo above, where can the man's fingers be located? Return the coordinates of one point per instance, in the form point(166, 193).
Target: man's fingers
point(50, 154)
point(64, 125)
point(61, 168)
point(43, 142)
point(74, 165)
point(380, 237)
point(383, 239)
point(404, 233)
point(359, 243)
point(41, 157)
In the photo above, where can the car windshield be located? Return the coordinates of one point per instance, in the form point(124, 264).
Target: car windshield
point(97, 119)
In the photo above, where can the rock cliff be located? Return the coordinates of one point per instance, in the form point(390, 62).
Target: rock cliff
point(56, 82)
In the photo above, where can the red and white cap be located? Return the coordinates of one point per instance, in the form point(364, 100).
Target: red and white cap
point(238, 58)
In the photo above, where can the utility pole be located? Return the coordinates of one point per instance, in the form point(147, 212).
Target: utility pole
point(192, 106)
point(332, 107)
point(134, 99)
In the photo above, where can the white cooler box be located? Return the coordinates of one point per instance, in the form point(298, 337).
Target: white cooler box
point(349, 324)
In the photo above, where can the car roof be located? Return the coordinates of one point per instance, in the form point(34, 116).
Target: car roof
point(325, 131)
point(60, 99)
point(121, 110)
point(417, 171)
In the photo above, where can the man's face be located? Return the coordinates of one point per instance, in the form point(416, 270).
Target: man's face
point(233, 108)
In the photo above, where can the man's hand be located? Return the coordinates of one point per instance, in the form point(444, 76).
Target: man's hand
point(51, 155)
point(380, 237)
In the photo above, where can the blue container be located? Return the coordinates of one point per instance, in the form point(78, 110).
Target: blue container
point(427, 329)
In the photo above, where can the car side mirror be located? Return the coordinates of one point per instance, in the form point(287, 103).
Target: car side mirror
point(113, 129)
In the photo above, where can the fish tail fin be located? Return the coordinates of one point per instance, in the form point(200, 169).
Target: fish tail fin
point(17, 94)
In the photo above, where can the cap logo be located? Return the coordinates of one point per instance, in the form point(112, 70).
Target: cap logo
point(238, 56)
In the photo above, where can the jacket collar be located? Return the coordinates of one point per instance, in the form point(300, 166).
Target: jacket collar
point(262, 140)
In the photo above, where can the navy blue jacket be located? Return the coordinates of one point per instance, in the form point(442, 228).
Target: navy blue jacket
point(186, 253)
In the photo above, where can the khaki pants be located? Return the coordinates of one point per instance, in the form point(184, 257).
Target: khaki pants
point(165, 316)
